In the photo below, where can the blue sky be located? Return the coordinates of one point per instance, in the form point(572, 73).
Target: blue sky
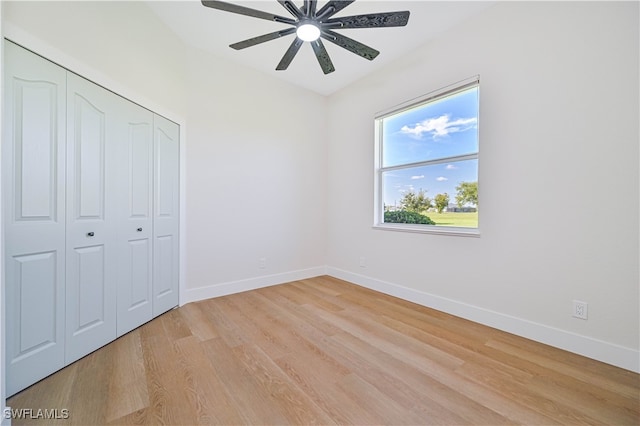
point(437, 130)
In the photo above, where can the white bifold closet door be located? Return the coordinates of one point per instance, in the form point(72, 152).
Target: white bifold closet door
point(135, 212)
point(165, 215)
point(33, 151)
point(91, 216)
point(92, 223)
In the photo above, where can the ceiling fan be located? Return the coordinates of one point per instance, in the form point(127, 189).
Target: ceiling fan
point(310, 25)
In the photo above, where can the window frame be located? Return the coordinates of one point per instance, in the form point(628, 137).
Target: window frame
point(379, 170)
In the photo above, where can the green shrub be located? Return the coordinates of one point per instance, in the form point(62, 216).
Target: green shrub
point(405, 216)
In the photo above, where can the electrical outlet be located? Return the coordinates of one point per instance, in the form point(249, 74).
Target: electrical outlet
point(363, 262)
point(262, 262)
point(580, 309)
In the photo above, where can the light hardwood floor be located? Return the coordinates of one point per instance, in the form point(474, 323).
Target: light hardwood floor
point(329, 352)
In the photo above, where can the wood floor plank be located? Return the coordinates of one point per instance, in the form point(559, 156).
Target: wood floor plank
point(175, 326)
point(279, 321)
point(448, 398)
point(324, 351)
point(167, 386)
point(378, 404)
point(128, 382)
point(568, 368)
point(319, 283)
point(541, 402)
point(87, 402)
point(229, 331)
point(53, 391)
point(139, 417)
point(371, 331)
point(301, 313)
point(597, 407)
point(296, 405)
point(259, 329)
point(319, 384)
point(207, 395)
point(415, 393)
point(478, 352)
point(254, 403)
point(198, 322)
point(311, 294)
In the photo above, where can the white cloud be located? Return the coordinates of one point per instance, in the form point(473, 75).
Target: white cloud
point(450, 167)
point(440, 126)
point(441, 179)
point(417, 177)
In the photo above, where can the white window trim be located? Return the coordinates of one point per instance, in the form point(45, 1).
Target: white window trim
point(429, 229)
point(378, 207)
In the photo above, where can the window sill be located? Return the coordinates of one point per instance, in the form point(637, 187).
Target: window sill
point(429, 229)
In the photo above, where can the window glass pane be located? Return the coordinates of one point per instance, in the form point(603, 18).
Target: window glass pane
point(457, 179)
point(442, 128)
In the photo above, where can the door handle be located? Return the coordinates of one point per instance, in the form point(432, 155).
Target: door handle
point(139, 229)
point(90, 234)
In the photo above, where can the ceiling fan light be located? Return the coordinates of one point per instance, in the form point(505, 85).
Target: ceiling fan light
point(308, 32)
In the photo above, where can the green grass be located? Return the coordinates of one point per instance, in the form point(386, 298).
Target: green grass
point(469, 220)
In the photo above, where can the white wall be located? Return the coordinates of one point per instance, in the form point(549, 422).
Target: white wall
point(256, 179)
point(558, 177)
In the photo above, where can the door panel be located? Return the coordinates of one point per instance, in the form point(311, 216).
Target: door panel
point(164, 259)
point(35, 154)
point(90, 274)
point(33, 165)
point(139, 253)
point(89, 145)
point(166, 215)
point(135, 160)
point(35, 282)
point(140, 156)
point(167, 170)
point(91, 218)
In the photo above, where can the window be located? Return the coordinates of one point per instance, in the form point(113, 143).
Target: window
point(427, 162)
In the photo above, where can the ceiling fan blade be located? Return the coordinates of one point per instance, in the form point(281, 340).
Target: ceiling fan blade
point(261, 39)
point(241, 10)
point(287, 4)
point(309, 8)
point(372, 20)
point(350, 44)
point(289, 54)
point(331, 8)
point(323, 56)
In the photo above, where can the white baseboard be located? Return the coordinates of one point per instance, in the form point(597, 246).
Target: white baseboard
point(606, 352)
point(223, 289)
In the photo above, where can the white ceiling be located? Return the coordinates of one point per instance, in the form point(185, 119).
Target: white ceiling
point(214, 30)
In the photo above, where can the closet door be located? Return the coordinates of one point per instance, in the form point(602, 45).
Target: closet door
point(91, 218)
point(165, 215)
point(33, 163)
point(135, 204)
